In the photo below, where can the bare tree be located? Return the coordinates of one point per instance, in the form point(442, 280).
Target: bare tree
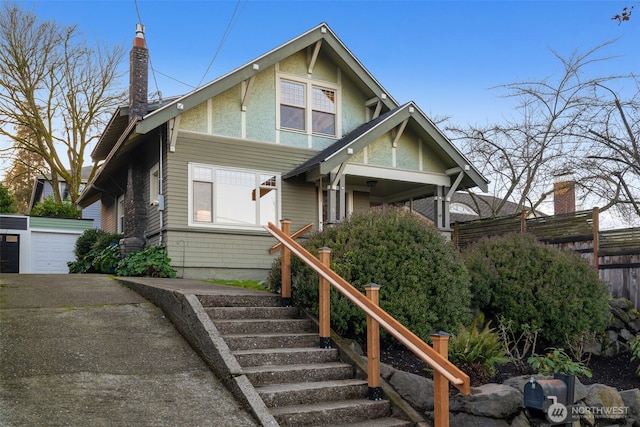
point(57, 86)
point(548, 135)
point(20, 177)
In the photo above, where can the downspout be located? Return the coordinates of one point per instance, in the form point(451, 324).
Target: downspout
point(161, 191)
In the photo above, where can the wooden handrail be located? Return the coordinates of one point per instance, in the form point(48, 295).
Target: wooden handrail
point(421, 349)
point(275, 248)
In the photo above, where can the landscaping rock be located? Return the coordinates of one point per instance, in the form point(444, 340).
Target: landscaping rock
point(621, 303)
point(602, 396)
point(489, 400)
point(519, 382)
point(416, 390)
point(631, 399)
point(626, 334)
point(467, 420)
point(587, 417)
point(520, 421)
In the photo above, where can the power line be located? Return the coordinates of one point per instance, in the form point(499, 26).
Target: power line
point(232, 21)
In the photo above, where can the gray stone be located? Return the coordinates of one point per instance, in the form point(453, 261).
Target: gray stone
point(387, 371)
point(620, 314)
point(519, 382)
point(467, 420)
point(631, 399)
point(586, 417)
point(520, 421)
point(627, 335)
point(621, 303)
point(489, 400)
point(416, 390)
point(602, 396)
point(634, 326)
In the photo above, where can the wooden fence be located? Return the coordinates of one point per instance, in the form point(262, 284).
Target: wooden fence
point(614, 253)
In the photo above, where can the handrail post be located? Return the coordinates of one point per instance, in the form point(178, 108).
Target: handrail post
point(285, 291)
point(440, 382)
point(373, 346)
point(324, 294)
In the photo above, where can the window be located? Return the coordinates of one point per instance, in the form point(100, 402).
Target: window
point(120, 215)
point(232, 198)
point(461, 208)
point(154, 184)
point(294, 107)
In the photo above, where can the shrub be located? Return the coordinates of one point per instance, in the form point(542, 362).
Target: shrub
point(423, 283)
point(7, 201)
point(556, 361)
point(477, 351)
point(529, 283)
point(50, 208)
point(634, 347)
point(89, 246)
point(152, 261)
point(107, 260)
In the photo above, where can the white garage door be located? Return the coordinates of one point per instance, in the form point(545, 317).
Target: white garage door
point(50, 252)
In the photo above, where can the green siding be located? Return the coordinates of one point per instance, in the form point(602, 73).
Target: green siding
point(407, 152)
point(261, 107)
point(227, 117)
point(295, 64)
point(195, 119)
point(60, 223)
point(353, 106)
point(379, 152)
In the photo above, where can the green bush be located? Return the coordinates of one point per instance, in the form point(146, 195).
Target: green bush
point(423, 283)
point(556, 361)
point(90, 246)
point(7, 201)
point(50, 208)
point(634, 347)
point(107, 260)
point(528, 283)
point(477, 349)
point(152, 261)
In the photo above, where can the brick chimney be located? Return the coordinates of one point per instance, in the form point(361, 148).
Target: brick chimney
point(138, 75)
point(564, 194)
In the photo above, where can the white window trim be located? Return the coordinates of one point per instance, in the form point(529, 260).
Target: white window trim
point(120, 214)
point(154, 184)
point(308, 108)
point(192, 223)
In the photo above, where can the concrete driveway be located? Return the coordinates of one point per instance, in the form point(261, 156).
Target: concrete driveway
point(84, 350)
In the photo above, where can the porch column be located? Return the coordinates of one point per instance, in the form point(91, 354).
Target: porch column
point(135, 210)
point(442, 217)
point(336, 198)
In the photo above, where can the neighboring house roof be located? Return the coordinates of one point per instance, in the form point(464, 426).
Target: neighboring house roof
point(39, 183)
point(485, 204)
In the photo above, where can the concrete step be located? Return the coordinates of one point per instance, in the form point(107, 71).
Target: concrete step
point(263, 326)
point(262, 341)
point(327, 413)
point(225, 313)
point(283, 356)
point(230, 300)
point(276, 374)
point(276, 395)
point(378, 422)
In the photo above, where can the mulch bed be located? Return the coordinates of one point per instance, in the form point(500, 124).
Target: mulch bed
point(617, 371)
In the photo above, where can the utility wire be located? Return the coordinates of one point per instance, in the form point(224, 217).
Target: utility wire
point(232, 21)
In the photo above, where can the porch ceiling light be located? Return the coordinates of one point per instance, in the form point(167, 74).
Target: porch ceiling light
point(372, 183)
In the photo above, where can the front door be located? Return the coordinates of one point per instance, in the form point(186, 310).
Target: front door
point(9, 253)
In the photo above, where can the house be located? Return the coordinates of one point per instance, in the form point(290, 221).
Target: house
point(42, 189)
point(464, 207)
point(304, 132)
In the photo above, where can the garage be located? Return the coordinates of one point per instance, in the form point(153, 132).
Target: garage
point(50, 251)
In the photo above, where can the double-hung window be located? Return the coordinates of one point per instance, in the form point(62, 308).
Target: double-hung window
point(306, 105)
point(232, 198)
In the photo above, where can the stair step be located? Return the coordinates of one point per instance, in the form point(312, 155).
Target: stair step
point(253, 313)
point(378, 422)
point(275, 395)
point(262, 326)
point(275, 374)
point(258, 299)
point(283, 356)
point(262, 341)
point(326, 413)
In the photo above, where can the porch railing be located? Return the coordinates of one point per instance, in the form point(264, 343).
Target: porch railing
point(444, 371)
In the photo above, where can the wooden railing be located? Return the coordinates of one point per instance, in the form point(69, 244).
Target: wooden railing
point(444, 371)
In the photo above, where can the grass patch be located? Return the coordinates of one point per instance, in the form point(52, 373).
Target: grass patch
point(247, 284)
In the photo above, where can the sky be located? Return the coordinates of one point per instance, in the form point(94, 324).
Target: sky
point(446, 56)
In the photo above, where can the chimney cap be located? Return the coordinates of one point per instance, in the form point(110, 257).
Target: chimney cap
point(140, 30)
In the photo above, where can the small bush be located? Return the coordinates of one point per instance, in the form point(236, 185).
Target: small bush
point(477, 349)
point(521, 280)
point(556, 361)
point(152, 261)
point(634, 347)
point(423, 283)
point(107, 260)
point(50, 208)
point(89, 246)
